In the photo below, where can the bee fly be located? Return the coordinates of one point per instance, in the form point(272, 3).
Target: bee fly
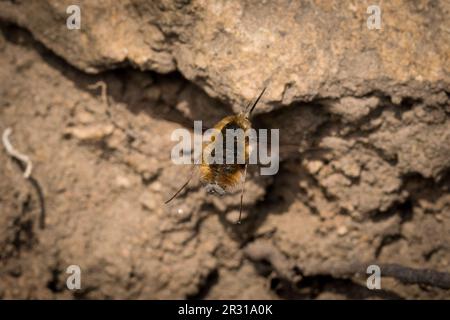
point(220, 178)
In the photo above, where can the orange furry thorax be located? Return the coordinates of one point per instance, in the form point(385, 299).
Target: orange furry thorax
point(225, 175)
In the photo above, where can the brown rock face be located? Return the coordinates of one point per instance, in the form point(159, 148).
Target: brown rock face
point(364, 119)
point(302, 49)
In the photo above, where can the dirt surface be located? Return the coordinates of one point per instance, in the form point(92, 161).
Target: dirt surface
point(375, 187)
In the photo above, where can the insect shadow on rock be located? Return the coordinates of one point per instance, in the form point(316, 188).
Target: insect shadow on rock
point(220, 178)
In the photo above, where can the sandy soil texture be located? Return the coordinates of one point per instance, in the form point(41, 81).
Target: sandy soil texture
point(364, 175)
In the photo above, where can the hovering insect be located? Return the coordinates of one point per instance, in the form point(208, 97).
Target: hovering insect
point(220, 178)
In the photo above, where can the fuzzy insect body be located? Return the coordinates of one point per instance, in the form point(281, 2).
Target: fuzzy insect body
point(223, 177)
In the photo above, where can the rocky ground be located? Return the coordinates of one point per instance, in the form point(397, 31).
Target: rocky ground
point(365, 130)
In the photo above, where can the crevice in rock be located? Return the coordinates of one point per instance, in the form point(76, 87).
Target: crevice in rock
point(54, 284)
point(205, 286)
point(385, 241)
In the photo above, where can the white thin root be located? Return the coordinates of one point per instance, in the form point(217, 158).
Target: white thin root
point(104, 94)
point(16, 154)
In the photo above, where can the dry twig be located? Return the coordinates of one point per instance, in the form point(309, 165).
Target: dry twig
point(263, 250)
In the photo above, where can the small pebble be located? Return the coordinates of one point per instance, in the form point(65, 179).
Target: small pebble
point(342, 230)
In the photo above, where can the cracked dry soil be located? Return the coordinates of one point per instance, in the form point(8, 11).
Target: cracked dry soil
point(377, 190)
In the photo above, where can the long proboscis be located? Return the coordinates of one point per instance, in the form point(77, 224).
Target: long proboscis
point(256, 102)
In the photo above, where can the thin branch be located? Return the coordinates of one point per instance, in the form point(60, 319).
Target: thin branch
point(404, 274)
point(264, 251)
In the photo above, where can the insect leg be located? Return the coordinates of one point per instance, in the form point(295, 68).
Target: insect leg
point(184, 185)
point(176, 193)
point(242, 193)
